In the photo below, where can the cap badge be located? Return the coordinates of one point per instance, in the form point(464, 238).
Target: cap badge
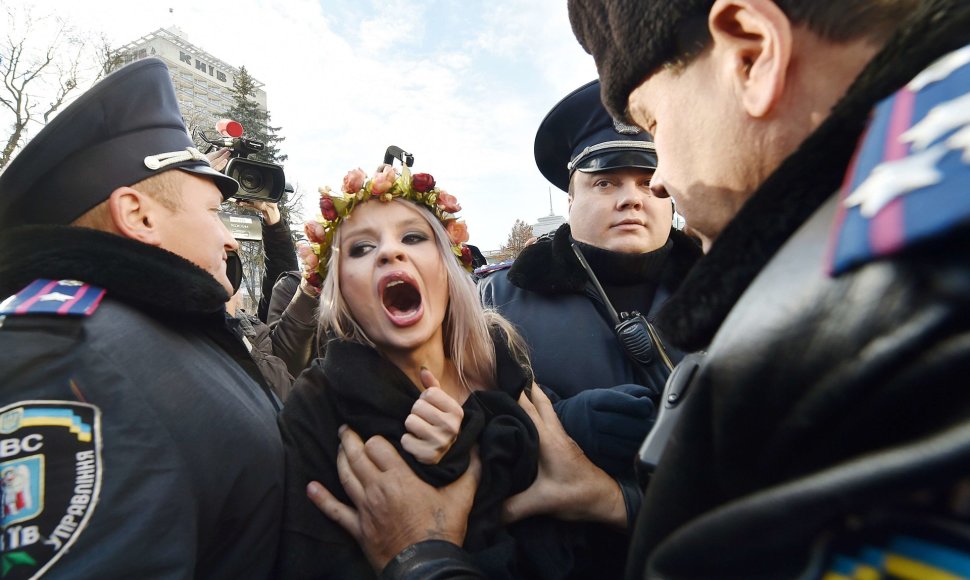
point(160, 160)
point(624, 129)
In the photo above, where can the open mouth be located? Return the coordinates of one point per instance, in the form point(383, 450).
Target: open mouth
point(402, 300)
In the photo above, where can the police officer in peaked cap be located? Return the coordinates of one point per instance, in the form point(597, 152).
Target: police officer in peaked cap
point(615, 262)
point(147, 445)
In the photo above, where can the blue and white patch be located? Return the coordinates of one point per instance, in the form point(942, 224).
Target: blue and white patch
point(63, 297)
point(50, 463)
point(910, 179)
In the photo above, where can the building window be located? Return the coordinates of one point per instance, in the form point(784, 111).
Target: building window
point(142, 53)
point(186, 58)
point(200, 65)
point(221, 75)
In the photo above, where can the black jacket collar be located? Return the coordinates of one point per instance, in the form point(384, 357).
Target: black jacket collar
point(147, 277)
point(550, 267)
point(807, 178)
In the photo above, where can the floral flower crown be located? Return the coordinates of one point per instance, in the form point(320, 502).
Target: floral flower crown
point(384, 186)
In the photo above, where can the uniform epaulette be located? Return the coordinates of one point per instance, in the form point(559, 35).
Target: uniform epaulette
point(60, 297)
point(907, 183)
point(489, 268)
point(546, 236)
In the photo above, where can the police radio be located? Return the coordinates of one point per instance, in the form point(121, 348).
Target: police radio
point(631, 328)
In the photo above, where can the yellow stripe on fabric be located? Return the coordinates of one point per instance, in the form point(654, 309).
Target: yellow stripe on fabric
point(863, 572)
point(913, 570)
point(56, 422)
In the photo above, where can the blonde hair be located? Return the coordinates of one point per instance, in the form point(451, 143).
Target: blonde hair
point(466, 328)
point(164, 188)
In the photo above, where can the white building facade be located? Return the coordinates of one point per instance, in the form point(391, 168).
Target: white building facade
point(203, 83)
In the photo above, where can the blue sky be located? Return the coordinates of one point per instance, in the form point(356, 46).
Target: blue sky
point(462, 85)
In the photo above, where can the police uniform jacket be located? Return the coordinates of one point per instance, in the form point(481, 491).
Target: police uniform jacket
point(828, 429)
point(151, 440)
point(548, 296)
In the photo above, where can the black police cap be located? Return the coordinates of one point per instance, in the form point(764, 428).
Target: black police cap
point(124, 129)
point(579, 135)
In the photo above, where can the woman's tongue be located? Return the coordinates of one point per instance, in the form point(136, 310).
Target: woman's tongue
point(402, 301)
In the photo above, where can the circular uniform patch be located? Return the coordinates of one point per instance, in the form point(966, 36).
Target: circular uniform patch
point(50, 462)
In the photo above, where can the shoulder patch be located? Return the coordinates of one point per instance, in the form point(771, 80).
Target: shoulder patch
point(908, 181)
point(917, 546)
point(489, 268)
point(62, 297)
point(50, 463)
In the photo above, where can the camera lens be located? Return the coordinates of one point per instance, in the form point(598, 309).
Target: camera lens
point(251, 180)
point(257, 180)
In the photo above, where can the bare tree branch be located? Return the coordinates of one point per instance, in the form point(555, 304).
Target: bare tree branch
point(44, 61)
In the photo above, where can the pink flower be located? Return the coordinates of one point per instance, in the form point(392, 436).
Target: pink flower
point(457, 231)
point(303, 250)
point(311, 262)
point(314, 232)
point(422, 182)
point(448, 202)
point(354, 180)
point(383, 180)
point(327, 208)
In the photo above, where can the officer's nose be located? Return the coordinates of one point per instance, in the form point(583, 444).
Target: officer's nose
point(631, 196)
point(229, 243)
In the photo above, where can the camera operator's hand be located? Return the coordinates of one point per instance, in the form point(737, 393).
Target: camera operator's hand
point(218, 158)
point(269, 209)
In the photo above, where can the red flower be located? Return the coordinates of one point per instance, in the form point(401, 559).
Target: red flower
point(423, 182)
point(466, 256)
point(314, 279)
point(327, 209)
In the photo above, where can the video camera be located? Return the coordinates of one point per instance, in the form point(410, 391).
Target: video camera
point(258, 180)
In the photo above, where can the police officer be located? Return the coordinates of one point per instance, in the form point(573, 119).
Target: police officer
point(611, 267)
point(618, 258)
point(137, 434)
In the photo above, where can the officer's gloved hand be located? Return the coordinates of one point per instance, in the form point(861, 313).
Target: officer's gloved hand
point(609, 424)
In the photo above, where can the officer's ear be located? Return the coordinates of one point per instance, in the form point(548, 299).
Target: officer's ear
point(136, 215)
point(752, 45)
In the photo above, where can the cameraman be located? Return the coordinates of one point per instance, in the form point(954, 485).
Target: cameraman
point(288, 337)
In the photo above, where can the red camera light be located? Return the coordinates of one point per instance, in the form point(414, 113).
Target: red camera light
point(229, 128)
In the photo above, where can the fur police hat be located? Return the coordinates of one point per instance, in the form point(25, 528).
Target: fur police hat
point(124, 129)
point(630, 39)
point(579, 135)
